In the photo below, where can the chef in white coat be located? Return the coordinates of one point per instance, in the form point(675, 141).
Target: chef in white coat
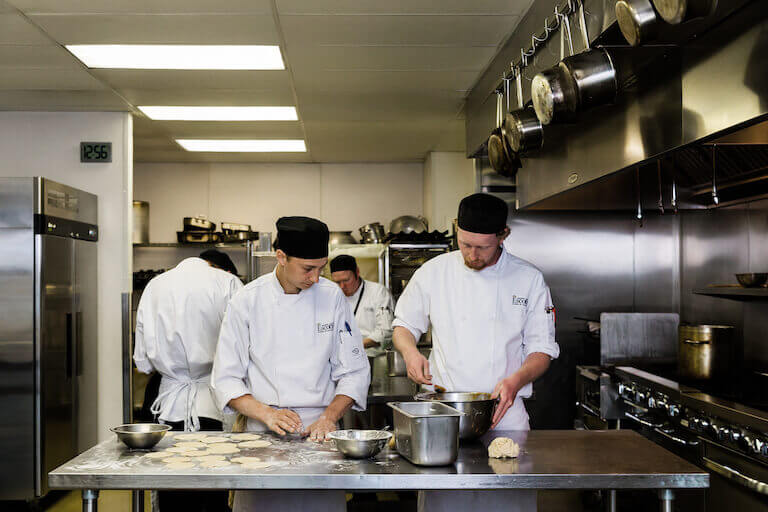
point(290, 357)
point(371, 304)
point(493, 330)
point(177, 328)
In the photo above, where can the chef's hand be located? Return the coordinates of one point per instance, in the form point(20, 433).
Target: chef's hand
point(506, 391)
point(319, 430)
point(369, 343)
point(282, 421)
point(418, 367)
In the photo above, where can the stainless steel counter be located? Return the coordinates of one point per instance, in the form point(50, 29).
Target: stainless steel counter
point(562, 459)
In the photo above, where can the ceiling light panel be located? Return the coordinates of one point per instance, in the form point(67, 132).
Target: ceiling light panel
point(168, 56)
point(244, 145)
point(195, 113)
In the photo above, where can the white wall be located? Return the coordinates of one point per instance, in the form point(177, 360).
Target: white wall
point(345, 196)
point(448, 177)
point(47, 144)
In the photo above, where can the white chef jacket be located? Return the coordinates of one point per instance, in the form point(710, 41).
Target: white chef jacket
point(293, 351)
point(484, 323)
point(177, 328)
point(370, 299)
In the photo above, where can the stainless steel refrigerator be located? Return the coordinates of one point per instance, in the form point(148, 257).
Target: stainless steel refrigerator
point(48, 239)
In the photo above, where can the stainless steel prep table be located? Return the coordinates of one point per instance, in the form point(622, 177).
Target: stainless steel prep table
point(549, 459)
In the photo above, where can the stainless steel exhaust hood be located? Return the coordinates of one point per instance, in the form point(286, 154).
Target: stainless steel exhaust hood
point(675, 102)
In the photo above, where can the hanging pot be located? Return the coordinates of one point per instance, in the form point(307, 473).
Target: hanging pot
point(593, 76)
point(503, 160)
point(524, 132)
point(637, 20)
point(675, 12)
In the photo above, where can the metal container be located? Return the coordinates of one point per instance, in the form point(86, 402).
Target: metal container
point(678, 11)
point(341, 238)
point(554, 95)
point(141, 436)
point(140, 222)
point(637, 20)
point(360, 444)
point(704, 351)
point(594, 77)
point(426, 433)
point(408, 224)
point(372, 233)
point(752, 280)
point(396, 364)
point(477, 408)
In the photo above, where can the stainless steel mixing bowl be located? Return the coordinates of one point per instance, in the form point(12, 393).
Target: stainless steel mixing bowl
point(140, 436)
point(360, 444)
point(752, 280)
point(477, 408)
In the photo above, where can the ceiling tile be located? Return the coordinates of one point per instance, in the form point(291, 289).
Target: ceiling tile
point(47, 78)
point(144, 6)
point(379, 106)
point(396, 30)
point(425, 58)
point(386, 82)
point(4, 7)
point(170, 80)
point(493, 7)
point(159, 29)
point(61, 100)
point(16, 30)
point(152, 155)
point(281, 96)
point(29, 56)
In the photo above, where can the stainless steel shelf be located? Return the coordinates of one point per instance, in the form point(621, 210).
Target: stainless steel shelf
point(213, 244)
point(734, 293)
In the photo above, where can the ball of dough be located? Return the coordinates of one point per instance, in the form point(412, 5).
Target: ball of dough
point(254, 444)
point(245, 437)
point(502, 447)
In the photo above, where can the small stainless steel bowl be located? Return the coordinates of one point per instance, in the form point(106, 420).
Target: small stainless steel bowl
point(360, 444)
point(140, 436)
point(752, 280)
point(477, 408)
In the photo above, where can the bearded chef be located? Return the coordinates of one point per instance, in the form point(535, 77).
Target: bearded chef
point(290, 357)
point(371, 304)
point(177, 328)
point(493, 330)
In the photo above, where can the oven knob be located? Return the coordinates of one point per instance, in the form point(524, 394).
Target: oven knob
point(651, 402)
point(760, 447)
point(723, 434)
point(622, 388)
point(640, 397)
point(673, 410)
point(735, 436)
point(745, 442)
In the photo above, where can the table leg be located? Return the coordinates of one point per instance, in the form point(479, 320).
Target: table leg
point(137, 501)
point(667, 497)
point(90, 500)
point(611, 501)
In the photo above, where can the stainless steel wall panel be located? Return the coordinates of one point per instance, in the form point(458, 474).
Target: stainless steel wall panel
point(17, 421)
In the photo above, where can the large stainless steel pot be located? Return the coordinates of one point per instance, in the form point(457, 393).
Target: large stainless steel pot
point(637, 20)
point(594, 78)
point(341, 238)
point(704, 351)
point(408, 224)
point(554, 95)
point(372, 233)
point(523, 130)
point(140, 222)
point(678, 11)
point(477, 408)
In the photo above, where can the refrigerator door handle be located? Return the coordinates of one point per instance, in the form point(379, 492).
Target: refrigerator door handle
point(78, 359)
point(70, 358)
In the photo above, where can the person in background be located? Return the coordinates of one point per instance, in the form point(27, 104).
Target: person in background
point(177, 329)
point(493, 330)
point(290, 357)
point(371, 303)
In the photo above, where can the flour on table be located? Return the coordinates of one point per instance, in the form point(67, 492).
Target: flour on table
point(171, 460)
point(159, 455)
point(502, 447)
point(245, 460)
point(214, 464)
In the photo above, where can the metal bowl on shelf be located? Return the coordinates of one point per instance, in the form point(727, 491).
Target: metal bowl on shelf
point(140, 436)
point(752, 280)
point(477, 408)
point(360, 444)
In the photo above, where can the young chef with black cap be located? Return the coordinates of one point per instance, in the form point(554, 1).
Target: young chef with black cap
point(371, 303)
point(493, 330)
point(290, 357)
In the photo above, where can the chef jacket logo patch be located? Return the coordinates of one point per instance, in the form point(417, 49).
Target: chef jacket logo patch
point(324, 327)
point(519, 301)
point(550, 310)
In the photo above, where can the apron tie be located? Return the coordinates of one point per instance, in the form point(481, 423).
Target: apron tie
point(191, 419)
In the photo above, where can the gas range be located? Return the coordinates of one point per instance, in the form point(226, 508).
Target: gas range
point(717, 433)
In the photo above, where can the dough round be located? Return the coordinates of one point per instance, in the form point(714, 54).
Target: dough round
point(245, 460)
point(215, 439)
point(223, 448)
point(171, 460)
point(214, 464)
point(209, 458)
point(245, 437)
point(502, 447)
point(159, 455)
point(254, 444)
point(191, 444)
point(190, 437)
point(178, 449)
point(180, 465)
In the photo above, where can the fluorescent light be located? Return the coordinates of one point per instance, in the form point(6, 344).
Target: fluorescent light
point(244, 145)
point(175, 56)
point(160, 113)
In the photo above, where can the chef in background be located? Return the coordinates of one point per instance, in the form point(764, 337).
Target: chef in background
point(177, 329)
point(290, 357)
point(493, 330)
point(371, 303)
